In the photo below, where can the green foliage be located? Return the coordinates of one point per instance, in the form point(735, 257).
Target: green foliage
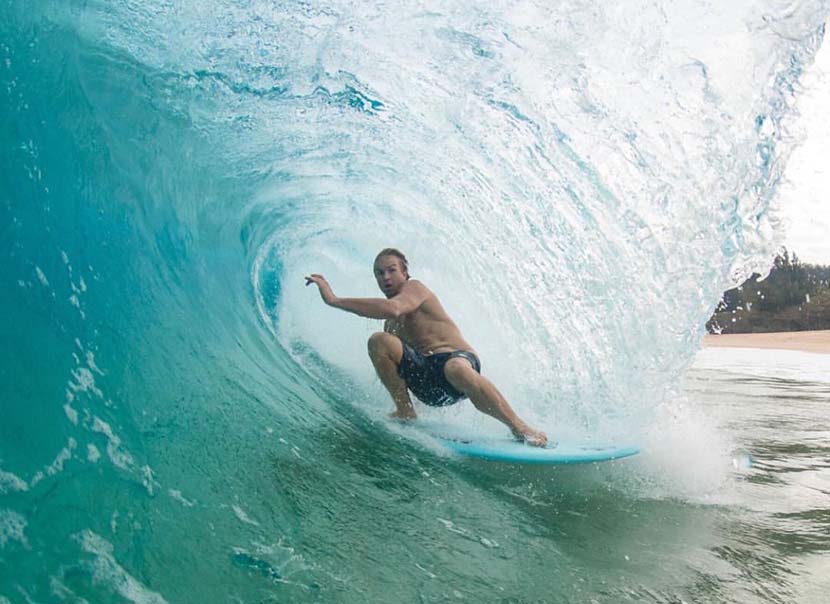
point(793, 297)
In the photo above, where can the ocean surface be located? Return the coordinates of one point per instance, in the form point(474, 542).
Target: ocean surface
point(181, 420)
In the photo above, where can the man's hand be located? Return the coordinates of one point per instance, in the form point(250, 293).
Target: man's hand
point(325, 289)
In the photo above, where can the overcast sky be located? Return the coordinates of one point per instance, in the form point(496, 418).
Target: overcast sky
point(804, 198)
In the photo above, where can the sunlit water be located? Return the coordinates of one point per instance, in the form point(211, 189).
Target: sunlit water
point(182, 421)
point(774, 530)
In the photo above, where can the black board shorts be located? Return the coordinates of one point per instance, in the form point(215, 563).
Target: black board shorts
point(424, 375)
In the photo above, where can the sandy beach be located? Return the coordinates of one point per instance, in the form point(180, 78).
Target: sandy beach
point(806, 341)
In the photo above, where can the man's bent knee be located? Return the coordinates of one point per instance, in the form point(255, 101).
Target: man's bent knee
point(382, 343)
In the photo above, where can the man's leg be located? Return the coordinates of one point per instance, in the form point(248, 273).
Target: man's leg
point(487, 399)
point(386, 352)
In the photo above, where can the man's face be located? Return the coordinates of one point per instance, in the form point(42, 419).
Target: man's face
point(390, 275)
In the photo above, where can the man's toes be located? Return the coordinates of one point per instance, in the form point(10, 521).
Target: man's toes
point(535, 439)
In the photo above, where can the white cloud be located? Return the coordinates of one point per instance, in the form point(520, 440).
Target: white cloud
point(805, 197)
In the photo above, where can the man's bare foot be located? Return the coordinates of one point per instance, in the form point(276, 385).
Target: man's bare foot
point(534, 438)
point(403, 416)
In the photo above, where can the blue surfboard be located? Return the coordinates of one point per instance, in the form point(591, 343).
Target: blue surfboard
point(512, 451)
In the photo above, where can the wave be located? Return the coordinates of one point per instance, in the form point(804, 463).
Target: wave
point(578, 184)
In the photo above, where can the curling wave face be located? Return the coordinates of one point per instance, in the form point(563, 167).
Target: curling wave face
point(577, 183)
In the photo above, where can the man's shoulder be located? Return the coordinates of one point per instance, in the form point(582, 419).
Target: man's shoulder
point(428, 300)
point(416, 287)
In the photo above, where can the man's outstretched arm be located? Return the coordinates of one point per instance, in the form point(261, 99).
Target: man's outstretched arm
point(410, 298)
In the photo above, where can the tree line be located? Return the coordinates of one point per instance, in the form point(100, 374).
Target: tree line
point(795, 296)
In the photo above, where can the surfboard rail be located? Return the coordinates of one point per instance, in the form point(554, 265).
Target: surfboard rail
point(512, 451)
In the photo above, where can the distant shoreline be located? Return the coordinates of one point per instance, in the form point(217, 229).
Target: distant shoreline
point(805, 341)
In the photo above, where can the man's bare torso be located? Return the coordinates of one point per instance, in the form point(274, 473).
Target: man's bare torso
point(428, 328)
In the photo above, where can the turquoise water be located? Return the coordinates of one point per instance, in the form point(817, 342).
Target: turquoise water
point(182, 421)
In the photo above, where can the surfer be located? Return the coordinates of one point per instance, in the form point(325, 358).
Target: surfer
point(421, 349)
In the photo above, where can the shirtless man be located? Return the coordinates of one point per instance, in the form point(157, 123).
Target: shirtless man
point(421, 349)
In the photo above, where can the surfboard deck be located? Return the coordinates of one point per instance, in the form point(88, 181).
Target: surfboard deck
point(512, 451)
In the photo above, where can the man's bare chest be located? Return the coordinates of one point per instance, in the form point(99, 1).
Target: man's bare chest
point(411, 326)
